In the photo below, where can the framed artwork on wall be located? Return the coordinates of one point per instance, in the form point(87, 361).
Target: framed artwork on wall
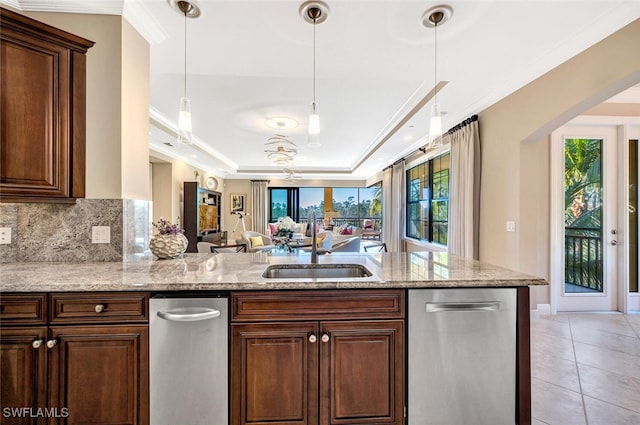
point(238, 202)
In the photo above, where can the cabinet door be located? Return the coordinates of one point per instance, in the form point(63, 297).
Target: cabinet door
point(274, 373)
point(362, 372)
point(100, 374)
point(23, 373)
point(42, 110)
point(36, 117)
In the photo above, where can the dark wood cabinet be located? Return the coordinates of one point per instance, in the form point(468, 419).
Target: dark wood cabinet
point(274, 373)
point(335, 369)
point(100, 373)
point(201, 215)
point(23, 360)
point(92, 369)
point(42, 110)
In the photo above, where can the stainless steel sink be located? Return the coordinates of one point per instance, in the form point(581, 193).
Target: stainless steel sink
point(280, 271)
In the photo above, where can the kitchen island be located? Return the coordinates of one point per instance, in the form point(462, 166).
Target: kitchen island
point(308, 350)
point(232, 272)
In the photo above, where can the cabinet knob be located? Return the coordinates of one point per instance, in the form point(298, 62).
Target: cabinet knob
point(52, 343)
point(37, 343)
point(325, 338)
point(312, 338)
point(99, 308)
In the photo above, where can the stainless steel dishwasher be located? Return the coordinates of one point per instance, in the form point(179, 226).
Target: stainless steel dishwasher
point(462, 356)
point(188, 360)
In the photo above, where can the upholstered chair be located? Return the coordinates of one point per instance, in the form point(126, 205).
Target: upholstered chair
point(257, 241)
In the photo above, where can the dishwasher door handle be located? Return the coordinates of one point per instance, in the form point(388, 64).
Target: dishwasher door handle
point(463, 306)
point(189, 314)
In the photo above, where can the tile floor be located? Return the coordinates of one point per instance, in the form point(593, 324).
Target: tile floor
point(585, 369)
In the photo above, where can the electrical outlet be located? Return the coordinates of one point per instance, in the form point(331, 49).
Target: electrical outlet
point(101, 234)
point(511, 226)
point(5, 235)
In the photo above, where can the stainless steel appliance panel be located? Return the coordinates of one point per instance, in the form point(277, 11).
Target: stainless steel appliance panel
point(188, 361)
point(462, 356)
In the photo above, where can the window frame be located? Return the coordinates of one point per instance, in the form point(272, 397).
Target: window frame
point(426, 182)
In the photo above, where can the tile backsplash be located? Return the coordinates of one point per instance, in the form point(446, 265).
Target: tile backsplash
point(62, 232)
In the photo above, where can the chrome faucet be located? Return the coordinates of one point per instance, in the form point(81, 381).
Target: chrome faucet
point(314, 244)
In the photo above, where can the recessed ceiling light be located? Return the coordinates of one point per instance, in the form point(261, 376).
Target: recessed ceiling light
point(408, 137)
point(281, 123)
point(193, 155)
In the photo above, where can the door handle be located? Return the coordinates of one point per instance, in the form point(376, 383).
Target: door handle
point(463, 306)
point(189, 314)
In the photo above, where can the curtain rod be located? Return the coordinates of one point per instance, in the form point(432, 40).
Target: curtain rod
point(463, 124)
point(423, 149)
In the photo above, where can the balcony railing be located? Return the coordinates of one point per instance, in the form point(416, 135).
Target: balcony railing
point(583, 258)
point(353, 221)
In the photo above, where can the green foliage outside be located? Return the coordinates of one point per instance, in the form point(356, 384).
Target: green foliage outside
point(583, 213)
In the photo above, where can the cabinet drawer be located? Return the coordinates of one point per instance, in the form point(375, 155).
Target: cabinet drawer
point(23, 309)
point(317, 305)
point(76, 308)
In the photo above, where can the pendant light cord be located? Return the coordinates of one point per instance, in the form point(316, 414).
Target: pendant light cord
point(185, 53)
point(435, 74)
point(314, 65)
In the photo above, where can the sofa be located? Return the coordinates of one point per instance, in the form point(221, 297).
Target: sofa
point(341, 233)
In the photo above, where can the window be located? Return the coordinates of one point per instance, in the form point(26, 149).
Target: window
point(351, 205)
point(428, 200)
point(283, 202)
point(311, 200)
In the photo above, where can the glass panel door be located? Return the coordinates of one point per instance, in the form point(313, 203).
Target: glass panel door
point(583, 255)
point(588, 190)
point(633, 300)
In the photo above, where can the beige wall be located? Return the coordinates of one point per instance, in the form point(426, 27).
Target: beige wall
point(117, 103)
point(515, 148)
point(165, 201)
point(135, 114)
point(229, 221)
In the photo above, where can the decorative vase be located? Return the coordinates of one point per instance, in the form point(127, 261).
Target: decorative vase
point(168, 246)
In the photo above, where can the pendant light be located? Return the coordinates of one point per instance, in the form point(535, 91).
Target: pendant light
point(188, 10)
point(432, 18)
point(314, 12)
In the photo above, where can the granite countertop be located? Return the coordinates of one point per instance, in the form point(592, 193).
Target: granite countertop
point(231, 271)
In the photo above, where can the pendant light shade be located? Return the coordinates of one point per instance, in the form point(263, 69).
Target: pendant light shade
point(314, 127)
point(184, 121)
point(314, 12)
point(185, 130)
point(435, 126)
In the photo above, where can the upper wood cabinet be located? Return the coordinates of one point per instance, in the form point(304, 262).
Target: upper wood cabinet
point(42, 111)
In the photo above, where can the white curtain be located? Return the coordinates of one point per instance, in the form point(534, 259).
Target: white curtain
point(393, 207)
point(464, 189)
point(259, 205)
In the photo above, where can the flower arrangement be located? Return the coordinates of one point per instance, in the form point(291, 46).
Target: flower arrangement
point(285, 227)
point(165, 227)
point(282, 242)
point(282, 238)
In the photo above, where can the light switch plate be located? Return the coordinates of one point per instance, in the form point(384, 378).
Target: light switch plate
point(511, 226)
point(101, 234)
point(5, 235)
